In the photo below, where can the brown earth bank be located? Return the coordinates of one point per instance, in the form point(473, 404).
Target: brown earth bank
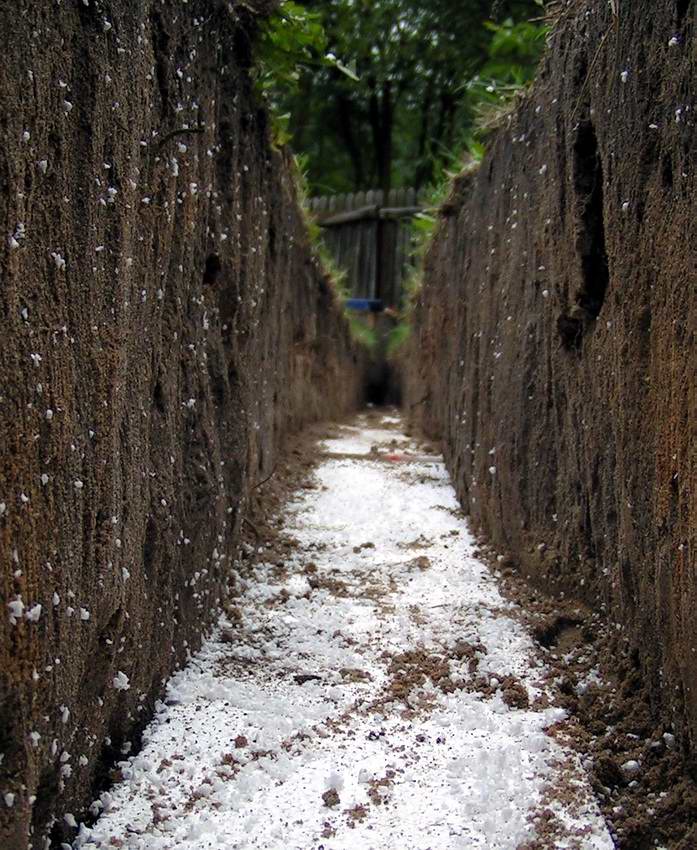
point(645, 786)
point(554, 350)
point(164, 324)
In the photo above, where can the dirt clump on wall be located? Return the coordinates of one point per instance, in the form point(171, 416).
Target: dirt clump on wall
point(554, 350)
point(164, 325)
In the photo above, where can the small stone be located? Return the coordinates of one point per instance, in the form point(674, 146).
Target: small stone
point(631, 768)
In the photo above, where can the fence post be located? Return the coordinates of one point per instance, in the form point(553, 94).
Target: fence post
point(373, 244)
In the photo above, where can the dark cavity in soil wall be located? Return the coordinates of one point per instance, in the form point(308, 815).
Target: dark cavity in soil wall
point(555, 349)
point(163, 326)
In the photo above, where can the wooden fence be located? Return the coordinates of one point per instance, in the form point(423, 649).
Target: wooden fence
point(370, 239)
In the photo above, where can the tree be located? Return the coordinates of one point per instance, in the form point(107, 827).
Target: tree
point(400, 122)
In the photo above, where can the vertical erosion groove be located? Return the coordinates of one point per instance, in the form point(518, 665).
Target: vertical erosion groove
point(588, 181)
point(683, 7)
point(590, 242)
point(212, 270)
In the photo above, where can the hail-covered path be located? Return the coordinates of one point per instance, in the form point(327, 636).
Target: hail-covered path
point(371, 690)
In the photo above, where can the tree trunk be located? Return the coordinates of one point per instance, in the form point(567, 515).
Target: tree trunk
point(424, 169)
point(346, 125)
point(381, 121)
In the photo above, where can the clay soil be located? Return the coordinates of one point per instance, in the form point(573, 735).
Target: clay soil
point(165, 324)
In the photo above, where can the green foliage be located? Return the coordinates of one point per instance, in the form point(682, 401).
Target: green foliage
point(401, 332)
point(514, 54)
point(398, 338)
point(361, 331)
point(292, 37)
point(476, 150)
point(423, 224)
point(514, 51)
point(398, 123)
point(299, 166)
point(427, 82)
point(337, 276)
point(291, 40)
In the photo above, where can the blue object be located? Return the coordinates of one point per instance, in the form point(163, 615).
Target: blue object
point(365, 305)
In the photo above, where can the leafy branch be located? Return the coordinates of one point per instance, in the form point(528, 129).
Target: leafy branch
point(291, 40)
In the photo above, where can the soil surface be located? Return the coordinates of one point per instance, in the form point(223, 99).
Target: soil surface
point(164, 326)
point(368, 686)
point(555, 344)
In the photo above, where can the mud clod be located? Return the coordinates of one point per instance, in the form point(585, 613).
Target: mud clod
point(331, 798)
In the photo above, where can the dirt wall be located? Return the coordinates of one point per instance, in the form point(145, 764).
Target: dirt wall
point(163, 325)
point(555, 341)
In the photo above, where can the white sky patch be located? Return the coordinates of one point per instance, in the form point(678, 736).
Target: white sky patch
point(243, 753)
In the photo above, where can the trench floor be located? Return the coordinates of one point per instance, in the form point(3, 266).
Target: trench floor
point(370, 688)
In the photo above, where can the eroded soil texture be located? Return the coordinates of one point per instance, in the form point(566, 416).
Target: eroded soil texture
point(165, 326)
point(554, 350)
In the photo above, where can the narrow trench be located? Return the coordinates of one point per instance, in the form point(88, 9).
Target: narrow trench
point(371, 681)
point(381, 385)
